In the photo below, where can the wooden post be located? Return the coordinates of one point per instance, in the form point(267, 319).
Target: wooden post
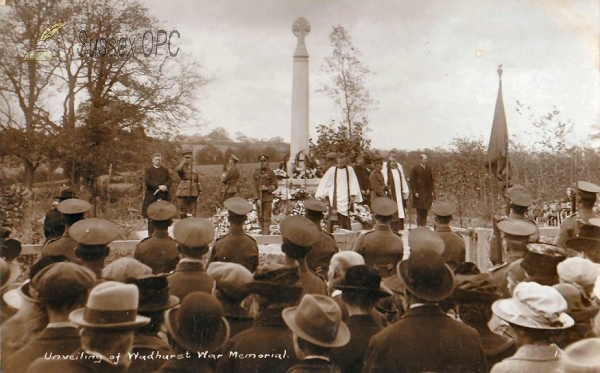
point(108, 191)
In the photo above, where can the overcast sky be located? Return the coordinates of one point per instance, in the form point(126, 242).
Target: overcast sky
point(435, 63)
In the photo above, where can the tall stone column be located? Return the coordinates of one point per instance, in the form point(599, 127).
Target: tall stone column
point(300, 94)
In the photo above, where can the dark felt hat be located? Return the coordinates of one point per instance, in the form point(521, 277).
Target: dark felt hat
point(238, 206)
point(475, 287)
point(73, 206)
point(588, 238)
point(426, 275)
point(314, 204)
point(363, 279)
point(161, 211)
point(10, 249)
point(154, 293)
point(384, 206)
point(276, 281)
point(198, 323)
point(443, 208)
point(66, 194)
point(93, 231)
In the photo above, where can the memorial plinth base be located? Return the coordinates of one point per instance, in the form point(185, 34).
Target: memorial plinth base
point(309, 184)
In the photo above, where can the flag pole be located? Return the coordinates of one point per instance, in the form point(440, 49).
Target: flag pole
point(507, 180)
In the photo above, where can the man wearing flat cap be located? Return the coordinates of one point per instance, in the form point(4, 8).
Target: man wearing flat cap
point(322, 251)
point(230, 179)
point(231, 281)
point(107, 324)
point(189, 189)
point(158, 181)
point(61, 288)
point(73, 210)
point(382, 248)
point(265, 183)
point(516, 236)
point(236, 246)
point(276, 288)
point(299, 234)
point(193, 235)
point(587, 194)
point(454, 245)
point(54, 225)
point(425, 339)
point(159, 251)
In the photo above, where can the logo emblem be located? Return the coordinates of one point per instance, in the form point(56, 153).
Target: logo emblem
point(41, 52)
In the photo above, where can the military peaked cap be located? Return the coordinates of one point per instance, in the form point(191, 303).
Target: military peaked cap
point(162, 210)
point(442, 208)
point(384, 206)
point(314, 204)
point(299, 231)
point(238, 206)
point(94, 231)
point(194, 232)
point(73, 206)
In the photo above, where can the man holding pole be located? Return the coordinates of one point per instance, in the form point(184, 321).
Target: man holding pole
point(265, 183)
point(188, 190)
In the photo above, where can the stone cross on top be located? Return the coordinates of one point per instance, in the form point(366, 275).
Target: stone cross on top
point(301, 28)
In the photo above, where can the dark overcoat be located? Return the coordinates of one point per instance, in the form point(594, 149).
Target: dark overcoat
point(350, 357)
point(425, 339)
point(421, 182)
point(153, 178)
point(54, 226)
point(377, 184)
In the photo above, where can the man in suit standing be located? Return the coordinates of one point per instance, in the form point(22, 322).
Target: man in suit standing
point(421, 184)
point(425, 339)
point(158, 181)
point(362, 174)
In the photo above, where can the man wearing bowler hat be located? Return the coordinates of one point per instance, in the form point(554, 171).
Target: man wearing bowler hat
point(54, 225)
point(73, 210)
point(154, 300)
point(425, 339)
point(382, 248)
point(276, 288)
point(361, 290)
point(107, 324)
point(320, 255)
point(454, 245)
point(61, 288)
point(193, 235)
point(159, 251)
point(516, 236)
point(158, 181)
point(318, 329)
point(198, 330)
point(188, 189)
point(299, 234)
point(265, 183)
point(93, 236)
point(236, 246)
point(587, 194)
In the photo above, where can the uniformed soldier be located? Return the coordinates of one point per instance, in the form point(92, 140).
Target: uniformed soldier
point(73, 210)
point(588, 240)
point(189, 189)
point(319, 257)
point(382, 248)
point(54, 225)
point(193, 235)
point(230, 179)
point(299, 234)
point(587, 193)
point(159, 251)
point(93, 236)
point(236, 246)
point(516, 236)
point(520, 200)
point(454, 245)
point(265, 183)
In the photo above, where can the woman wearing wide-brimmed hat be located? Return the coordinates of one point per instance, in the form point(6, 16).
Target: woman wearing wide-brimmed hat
point(535, 313)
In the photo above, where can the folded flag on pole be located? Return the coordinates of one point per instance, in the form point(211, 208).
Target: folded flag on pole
point(497, 156)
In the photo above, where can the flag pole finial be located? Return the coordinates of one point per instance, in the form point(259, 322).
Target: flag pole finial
point(500, 70)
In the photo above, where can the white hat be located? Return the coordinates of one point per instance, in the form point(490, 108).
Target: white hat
point(578, 271)
point(534, 306)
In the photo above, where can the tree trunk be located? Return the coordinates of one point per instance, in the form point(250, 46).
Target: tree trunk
point(28, 173)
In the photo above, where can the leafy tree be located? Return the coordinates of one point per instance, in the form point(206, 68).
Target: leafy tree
point(335, 138)
point(209, 154)
point(219, 134)
point(347, 88)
